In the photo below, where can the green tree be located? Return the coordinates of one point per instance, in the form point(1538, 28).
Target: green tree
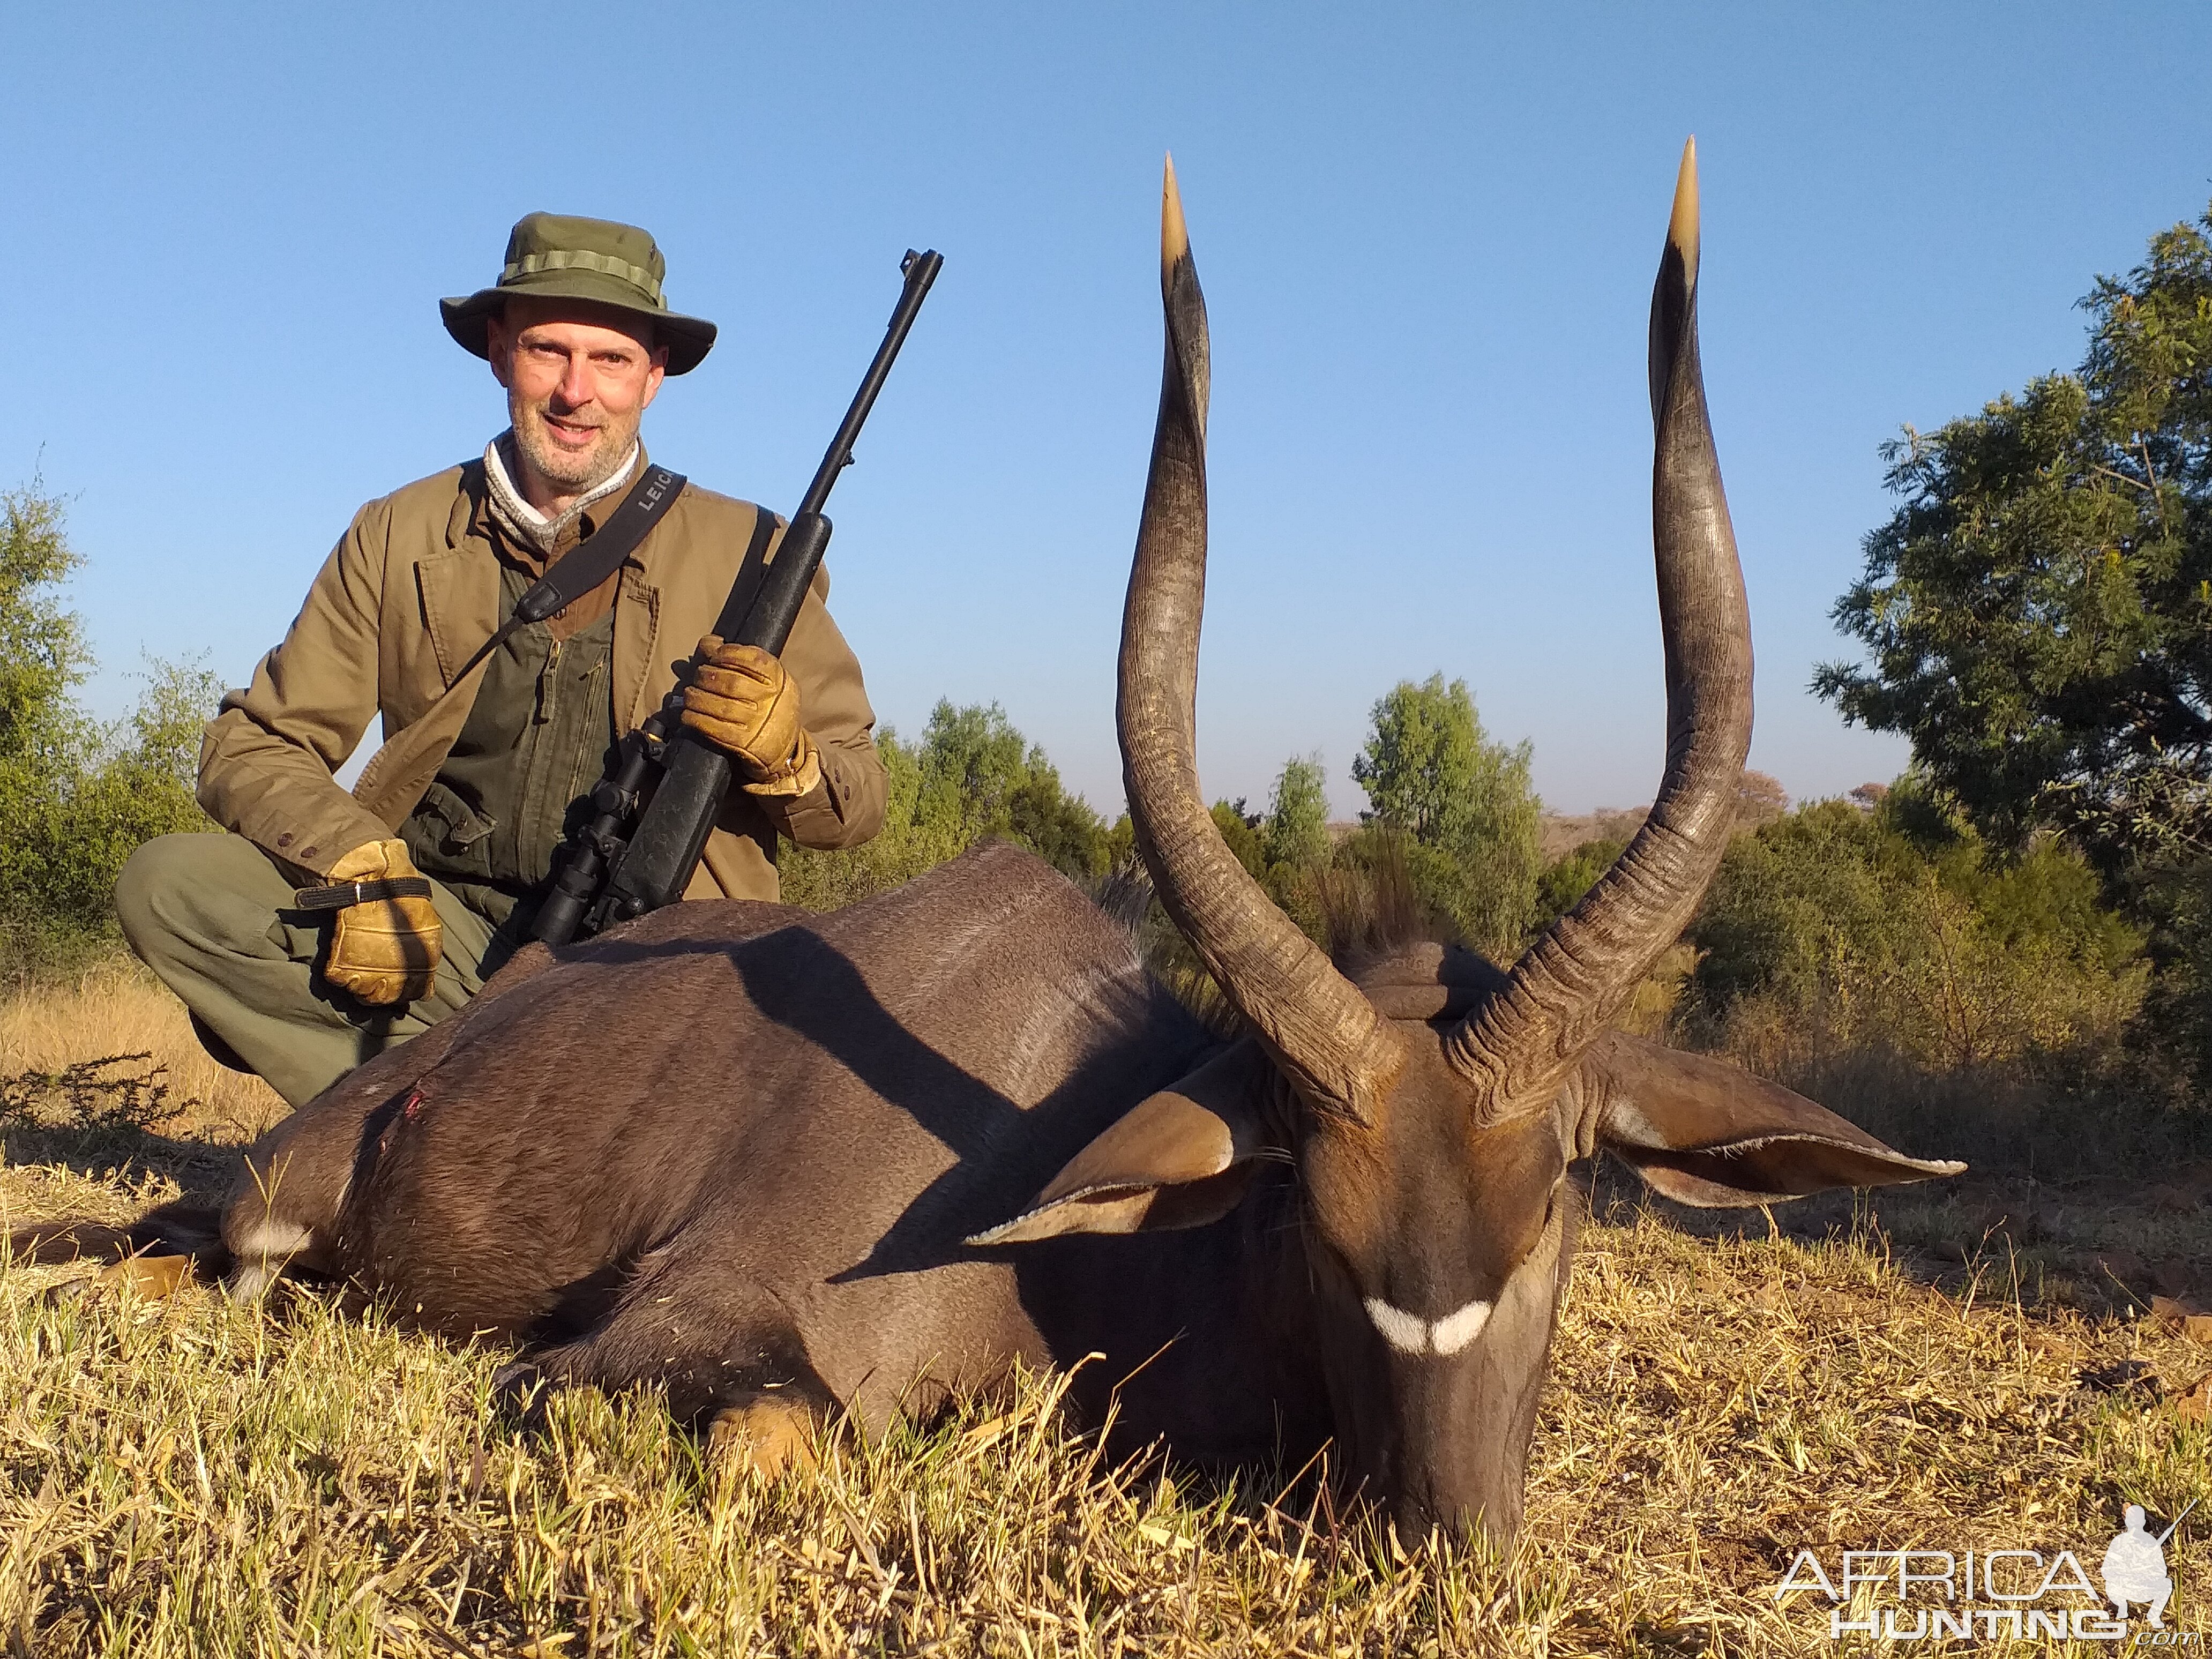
point(1432, 775)
point(1061, 829)
point(1573, 873)
point(117, 788)
point(42, 651)
point(1240, 830)
point(971, 776)
point(1004, 786)
point(1296, 829)
point(76, 797)
point(2039, 610)
point(975, 758)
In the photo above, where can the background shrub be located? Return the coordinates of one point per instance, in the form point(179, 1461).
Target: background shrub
point(971, 776)
point(77, 795)
point(1835, 927)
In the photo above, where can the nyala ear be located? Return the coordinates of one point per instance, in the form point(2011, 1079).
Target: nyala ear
point(1181, 1158)
point(1702, 1131)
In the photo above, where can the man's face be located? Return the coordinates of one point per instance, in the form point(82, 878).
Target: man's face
point(578, 378)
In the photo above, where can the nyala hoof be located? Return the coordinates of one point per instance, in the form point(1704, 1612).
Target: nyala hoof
point(763, 1437)
point(154, 1277)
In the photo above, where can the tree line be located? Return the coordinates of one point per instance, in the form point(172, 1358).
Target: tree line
point(1453, 805)
point(1886, 920)
point(78, 795)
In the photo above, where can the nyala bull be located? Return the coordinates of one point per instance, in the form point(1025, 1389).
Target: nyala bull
point(782, 1166)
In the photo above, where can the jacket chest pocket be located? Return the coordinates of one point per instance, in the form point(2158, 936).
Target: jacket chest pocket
point(447, 837)
point(432, 625)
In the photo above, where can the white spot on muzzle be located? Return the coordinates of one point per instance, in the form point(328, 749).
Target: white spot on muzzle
point(1409, 1334)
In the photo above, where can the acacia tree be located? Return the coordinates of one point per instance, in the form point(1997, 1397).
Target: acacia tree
point(2039, 610)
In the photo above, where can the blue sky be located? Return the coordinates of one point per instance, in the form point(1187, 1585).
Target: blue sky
point(1427, 236)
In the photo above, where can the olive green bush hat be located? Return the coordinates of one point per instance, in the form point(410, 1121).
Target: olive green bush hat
point(558, 256)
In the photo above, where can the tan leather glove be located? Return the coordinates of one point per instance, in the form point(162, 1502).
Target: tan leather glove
point(386, 950)
point(742, 701)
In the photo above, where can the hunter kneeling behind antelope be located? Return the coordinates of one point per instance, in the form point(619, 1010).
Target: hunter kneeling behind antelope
point(959, 1126)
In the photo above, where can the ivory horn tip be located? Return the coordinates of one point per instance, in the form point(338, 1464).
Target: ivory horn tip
point(1175, 240)
point(1682, 225)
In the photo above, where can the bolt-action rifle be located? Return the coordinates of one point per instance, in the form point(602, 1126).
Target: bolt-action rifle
point(610, 872)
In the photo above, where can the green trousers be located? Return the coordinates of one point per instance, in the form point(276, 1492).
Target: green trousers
point(212, 917)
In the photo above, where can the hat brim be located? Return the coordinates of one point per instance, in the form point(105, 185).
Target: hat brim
point(688, 339)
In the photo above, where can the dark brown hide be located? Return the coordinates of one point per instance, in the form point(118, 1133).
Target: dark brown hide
point(804, 1118)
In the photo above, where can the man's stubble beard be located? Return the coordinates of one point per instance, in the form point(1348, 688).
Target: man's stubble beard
point(570, 472)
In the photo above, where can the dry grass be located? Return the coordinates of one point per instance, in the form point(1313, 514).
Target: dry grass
point(189, 1477)
point(118, 1009)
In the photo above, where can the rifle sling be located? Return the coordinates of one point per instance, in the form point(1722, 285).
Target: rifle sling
point(744, 591)
point(591, 562)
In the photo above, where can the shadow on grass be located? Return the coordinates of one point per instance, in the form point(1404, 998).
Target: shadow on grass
point(2103, 1245)
point(105, 1118)
point(2090, 1183)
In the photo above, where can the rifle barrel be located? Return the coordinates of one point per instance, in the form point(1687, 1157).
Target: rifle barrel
point(920, 270)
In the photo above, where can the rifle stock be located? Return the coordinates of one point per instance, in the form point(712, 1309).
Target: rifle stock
point(696, 776)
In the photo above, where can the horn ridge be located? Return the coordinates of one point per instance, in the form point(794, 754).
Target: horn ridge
point(1569, 984)
point(1326, 1036)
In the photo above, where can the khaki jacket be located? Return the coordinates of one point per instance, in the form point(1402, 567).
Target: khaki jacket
point(410, 592)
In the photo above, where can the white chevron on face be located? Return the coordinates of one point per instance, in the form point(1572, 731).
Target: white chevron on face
point(1455, 1331)
point(1401, 1330)
point(1409, 1334)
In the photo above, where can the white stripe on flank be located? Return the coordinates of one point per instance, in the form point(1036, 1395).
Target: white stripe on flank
point(1409, 1333)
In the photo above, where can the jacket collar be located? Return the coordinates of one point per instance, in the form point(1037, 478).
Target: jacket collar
point(473, 517)
point(523, 523)
point(459, 592)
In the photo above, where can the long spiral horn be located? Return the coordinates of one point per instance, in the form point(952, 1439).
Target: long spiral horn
point(1327, 1037)
point(1518, 1046)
